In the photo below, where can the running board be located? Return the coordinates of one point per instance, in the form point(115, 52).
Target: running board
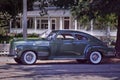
point(68, 58)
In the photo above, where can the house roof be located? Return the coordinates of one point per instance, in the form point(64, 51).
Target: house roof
point(51, 13)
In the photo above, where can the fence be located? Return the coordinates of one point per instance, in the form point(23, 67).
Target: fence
point(4, 49)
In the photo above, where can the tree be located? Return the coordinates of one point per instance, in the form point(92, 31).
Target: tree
point(64, 3)
point(12, 8)
point(105, 7)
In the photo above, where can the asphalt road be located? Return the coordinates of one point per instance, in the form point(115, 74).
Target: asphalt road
point(58, 70)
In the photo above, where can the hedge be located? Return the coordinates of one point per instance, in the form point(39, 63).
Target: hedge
point(8, 38)
point(5, 39)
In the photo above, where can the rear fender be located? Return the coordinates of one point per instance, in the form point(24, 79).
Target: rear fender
point(93, 48)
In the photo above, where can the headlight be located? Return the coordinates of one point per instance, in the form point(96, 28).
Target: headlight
point(15, 49)
point(18, 49)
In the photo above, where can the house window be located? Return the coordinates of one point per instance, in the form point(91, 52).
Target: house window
point(38, 24)
point(17, 23)
point(66, 18)
point(53, 24)
point(30, 23)
point(66, 23)
point(44, 24)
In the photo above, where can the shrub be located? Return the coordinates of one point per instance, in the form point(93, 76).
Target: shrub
point(33, 35)
point(8, 38)
point(5, 39)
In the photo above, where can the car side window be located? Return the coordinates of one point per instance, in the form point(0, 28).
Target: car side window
point(80, 37)
point(60, 37)
point(65, 36)
point(68, 37)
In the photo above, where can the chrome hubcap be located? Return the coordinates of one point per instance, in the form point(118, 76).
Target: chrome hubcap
point(95, 57)
point(29, 57)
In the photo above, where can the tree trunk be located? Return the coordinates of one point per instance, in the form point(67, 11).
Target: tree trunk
point(117, 46)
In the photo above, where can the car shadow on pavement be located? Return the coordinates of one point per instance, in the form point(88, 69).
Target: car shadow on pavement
point(52, 62)
point(68, 62)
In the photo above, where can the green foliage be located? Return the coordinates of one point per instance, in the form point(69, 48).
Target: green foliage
point(64, 3)
point(9, 9)
point(33, 35)
point(8, 38)
point(13, 7)
point(20, 35)
point(4, 21)
point(81, 12)
point(5, 38)
point(104, 7)
point(2, 31)
point(100, 10)
point(80, 9)
point(108, 20)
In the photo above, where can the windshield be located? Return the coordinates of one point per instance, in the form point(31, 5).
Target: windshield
point(51, 36)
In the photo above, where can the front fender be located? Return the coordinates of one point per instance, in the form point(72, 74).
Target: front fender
point(43, 51)
point(39, 50)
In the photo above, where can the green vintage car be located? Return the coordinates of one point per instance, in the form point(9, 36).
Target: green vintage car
point(61, 44)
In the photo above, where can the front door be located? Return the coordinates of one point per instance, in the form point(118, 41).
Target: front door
point(65, 45)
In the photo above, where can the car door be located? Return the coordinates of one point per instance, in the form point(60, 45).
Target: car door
point(65, 44)
point(80, 44)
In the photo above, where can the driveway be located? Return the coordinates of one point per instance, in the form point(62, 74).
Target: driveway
point(59, 70)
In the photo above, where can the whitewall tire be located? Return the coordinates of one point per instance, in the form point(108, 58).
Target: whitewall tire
point(29, 57)
point(95, 57)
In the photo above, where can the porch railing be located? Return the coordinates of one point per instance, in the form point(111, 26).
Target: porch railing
point(4, 49)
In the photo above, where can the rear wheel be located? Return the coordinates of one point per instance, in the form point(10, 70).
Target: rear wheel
point(95, 57)
point(28, 57)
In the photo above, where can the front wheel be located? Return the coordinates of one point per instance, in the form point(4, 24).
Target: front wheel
point(28, 57)
point(95, 57)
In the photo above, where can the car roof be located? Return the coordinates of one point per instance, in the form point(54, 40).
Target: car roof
point(79, 32)
point(65, 31)
point(72, 31)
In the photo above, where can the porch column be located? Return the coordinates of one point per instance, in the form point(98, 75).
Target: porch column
point(10, 24)
point(61, 23)
point(49, 23)
point(35, 24)
point(91, 26)
point(75, 24)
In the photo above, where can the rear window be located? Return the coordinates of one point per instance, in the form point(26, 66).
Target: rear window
point(80, 37)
